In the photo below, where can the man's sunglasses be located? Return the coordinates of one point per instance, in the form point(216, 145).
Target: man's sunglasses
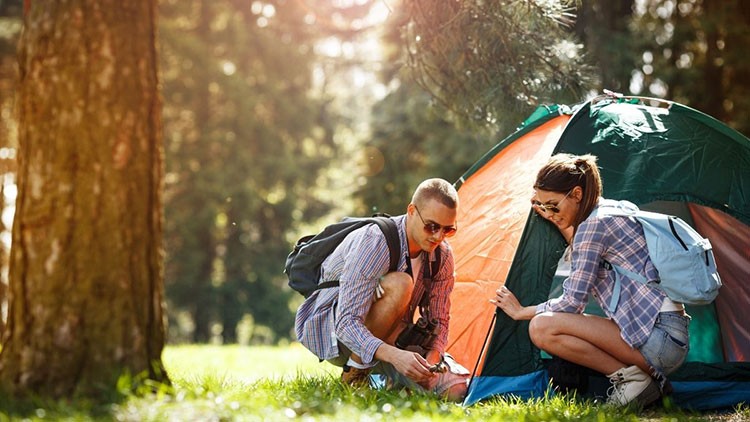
point(434, 228)
point(555, 208)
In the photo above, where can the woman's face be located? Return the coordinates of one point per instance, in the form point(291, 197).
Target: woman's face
point(559, 208)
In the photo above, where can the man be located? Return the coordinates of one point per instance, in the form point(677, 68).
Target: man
point(356, 324)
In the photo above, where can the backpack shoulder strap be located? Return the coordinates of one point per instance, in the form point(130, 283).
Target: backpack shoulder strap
point(390, 231)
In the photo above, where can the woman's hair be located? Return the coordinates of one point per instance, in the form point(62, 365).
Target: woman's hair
point(563, 172)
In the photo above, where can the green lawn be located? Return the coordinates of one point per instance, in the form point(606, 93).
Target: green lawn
point(242, 363)
point(237, 383)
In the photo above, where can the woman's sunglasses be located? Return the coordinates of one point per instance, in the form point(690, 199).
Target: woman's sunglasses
point(555, 208)
point(434, 228)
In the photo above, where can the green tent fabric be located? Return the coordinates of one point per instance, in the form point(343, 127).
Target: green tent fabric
point(664, 157)
point(677, 154)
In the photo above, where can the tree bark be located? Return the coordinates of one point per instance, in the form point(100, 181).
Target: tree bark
point(603, 26)
point(85, 294)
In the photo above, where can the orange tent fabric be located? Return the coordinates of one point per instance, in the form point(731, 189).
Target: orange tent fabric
point(494, 206)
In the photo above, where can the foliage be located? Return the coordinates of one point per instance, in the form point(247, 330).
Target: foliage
point(203, 391)
point(246, 143)
point(473, 72)
point(693, 52)
point(488, 60)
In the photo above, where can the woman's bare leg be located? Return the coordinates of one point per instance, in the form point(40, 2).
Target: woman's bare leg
point(588, 340)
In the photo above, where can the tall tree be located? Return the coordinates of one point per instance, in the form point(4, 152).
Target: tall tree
point(193, 190)
point(694, 52)
point(248, 135)
point(10, 21)
point(413, 138)
point(492, 62)
point(86, 262)
point(604, 27)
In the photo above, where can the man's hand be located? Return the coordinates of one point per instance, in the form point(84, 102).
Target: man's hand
point(410, 364)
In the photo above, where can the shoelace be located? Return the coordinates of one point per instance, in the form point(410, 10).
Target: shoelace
point(616, 382)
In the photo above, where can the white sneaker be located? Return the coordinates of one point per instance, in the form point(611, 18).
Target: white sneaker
point(632, 385)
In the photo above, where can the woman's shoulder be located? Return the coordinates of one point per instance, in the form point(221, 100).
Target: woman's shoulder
point(608, 217)
point(600, 222)
point(605, 211)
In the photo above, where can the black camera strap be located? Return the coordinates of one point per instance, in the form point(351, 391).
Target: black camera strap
point(429, 269)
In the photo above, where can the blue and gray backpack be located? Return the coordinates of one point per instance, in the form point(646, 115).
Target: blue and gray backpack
point(684, 259)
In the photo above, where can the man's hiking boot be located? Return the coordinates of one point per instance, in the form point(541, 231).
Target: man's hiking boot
point(632, 385)
point(355, 377)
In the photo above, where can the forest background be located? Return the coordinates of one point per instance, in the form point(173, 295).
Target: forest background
point(281, 116)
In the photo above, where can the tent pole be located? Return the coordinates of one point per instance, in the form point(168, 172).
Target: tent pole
point(481, 352)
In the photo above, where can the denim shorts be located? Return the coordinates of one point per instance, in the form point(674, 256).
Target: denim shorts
point(668, 344)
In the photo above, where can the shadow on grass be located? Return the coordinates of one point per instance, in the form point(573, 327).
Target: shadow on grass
point(95, 404)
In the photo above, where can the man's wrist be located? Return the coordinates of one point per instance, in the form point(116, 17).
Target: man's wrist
point(386, 353)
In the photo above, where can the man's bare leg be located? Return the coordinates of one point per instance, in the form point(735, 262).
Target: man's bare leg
point(385, 314)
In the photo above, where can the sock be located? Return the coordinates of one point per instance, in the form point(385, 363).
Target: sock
point(353, 364)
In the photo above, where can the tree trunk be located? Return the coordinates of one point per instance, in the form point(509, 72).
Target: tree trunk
point(86, 268)
point(712, 100)
point(603, 26)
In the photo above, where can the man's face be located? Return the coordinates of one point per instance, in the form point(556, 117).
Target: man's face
point(428, 225)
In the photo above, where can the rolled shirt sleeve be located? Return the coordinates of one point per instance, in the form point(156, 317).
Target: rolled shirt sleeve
point(364, 264)
point(338, 314)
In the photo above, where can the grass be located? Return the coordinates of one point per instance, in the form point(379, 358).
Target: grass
point(242, 364)
point(235, 383)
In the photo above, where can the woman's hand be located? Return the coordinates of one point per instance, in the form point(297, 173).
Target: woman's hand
point(507, 301)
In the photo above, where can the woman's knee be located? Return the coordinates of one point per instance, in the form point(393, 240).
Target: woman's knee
point(540, 329)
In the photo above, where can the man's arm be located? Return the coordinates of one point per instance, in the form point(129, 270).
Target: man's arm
point(366, 260)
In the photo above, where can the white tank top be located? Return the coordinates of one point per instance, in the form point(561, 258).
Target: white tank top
point(671, 306)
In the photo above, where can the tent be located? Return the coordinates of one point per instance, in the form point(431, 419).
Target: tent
point(661, 155)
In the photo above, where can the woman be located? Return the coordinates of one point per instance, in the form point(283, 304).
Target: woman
point(646, 336)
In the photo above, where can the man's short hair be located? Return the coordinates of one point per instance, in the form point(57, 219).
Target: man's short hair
point(437, 189)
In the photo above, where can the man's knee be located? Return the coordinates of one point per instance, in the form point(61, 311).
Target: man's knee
point(392, 303)
point(398, 286)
